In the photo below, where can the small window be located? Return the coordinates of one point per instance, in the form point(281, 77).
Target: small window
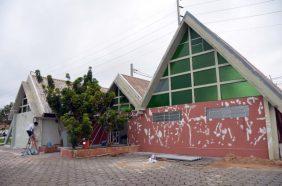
point(205, 94)
point(159, 100)
point(237, 90)
point(228, 73)
point(205, 77)
point(180, 66)
point(162, 86)
point(167, 116)
point(181, 97)
point(204, 60)
point(182, 81)
point(24, 107)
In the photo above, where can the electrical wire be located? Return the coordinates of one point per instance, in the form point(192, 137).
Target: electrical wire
point(244, 17)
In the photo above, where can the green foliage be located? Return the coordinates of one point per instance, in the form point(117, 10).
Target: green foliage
point(73, 128)
point(50, 82)
point(4, 113)
point(82, 104)
point(38, 76)
point(68, 79)
point(86, 127)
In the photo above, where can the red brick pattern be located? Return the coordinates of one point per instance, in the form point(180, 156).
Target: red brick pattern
point(86, 153)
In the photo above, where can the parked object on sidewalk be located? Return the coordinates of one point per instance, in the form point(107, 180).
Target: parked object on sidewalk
point(152, 159)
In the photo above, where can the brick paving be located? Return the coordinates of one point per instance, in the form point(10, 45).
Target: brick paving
point(128, 169)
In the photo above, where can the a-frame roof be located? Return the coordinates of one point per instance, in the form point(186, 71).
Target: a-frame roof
point(256, 78)
point(132, 87)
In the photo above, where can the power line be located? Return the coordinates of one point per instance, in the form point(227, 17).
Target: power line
point(117, 41)
point(121, 47)
point(251, 28)
point(244, 17)
point(202, 3)
point(128, 52)
point(233, 8)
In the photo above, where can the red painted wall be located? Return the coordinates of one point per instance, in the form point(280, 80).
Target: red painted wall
point(195, 135)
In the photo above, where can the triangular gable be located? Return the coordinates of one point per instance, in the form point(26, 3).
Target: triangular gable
point(253, 76)
point(127, 90)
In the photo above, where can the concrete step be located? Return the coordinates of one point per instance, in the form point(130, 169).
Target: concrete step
point(171, 156)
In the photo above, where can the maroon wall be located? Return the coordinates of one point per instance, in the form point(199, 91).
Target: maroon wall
point(194, 135)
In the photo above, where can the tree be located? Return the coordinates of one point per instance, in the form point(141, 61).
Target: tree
point(4, 113)
point(38, 76)
point(79, 104)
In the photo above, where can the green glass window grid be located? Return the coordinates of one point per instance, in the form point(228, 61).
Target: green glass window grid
point(228, 73)
point(205, 77)
point(181, 97)
point(205, 94)
point(181, 81)
point(180, 66)
point(237, 90)
point(203, 60)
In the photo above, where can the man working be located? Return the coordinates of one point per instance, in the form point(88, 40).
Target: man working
point(30, 132)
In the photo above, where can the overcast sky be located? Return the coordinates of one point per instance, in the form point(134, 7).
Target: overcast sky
point(59, 36)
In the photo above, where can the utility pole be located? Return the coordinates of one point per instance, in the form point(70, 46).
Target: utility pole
point(131, 69)
point(178, 11)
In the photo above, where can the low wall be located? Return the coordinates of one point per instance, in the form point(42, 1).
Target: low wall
point(196, 135)
point(100, 151)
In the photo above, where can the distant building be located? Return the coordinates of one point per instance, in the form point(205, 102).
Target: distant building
point(31, 105)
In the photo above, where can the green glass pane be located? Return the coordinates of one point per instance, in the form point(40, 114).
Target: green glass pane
point(182, 81)
point(228, 73)
point(205, 77)
point(196, 41)
point(181, 50)
point(220, 59)
point(165, 72)
point(237, 90)
point(181, 97)
point(120, 93)
point(162, 86)
point(207, 46)
point(193, 34)
point(205, 94)
point(115, 101)
point(159, 100)
point(204, 60)
point(124, 107)
point(184, 38)
point(132, 107)
point(180, 66)
point(197, 48)
point(115, 107)
point(123, 100)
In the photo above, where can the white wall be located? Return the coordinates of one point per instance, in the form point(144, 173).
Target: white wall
point(20, 137)
point(50, 132)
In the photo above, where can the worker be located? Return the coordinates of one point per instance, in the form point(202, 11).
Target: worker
point(30, 132)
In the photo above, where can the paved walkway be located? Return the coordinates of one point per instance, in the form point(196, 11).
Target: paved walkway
point(129, 169)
